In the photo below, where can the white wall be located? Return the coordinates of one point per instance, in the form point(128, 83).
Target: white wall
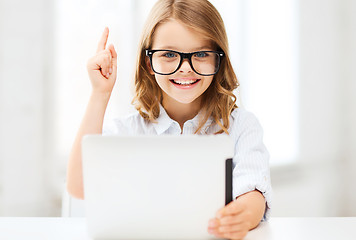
point(318, 185)
point(25, 108)
point(349, 49)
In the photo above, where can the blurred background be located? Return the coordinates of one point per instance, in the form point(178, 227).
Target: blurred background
point(295, 60)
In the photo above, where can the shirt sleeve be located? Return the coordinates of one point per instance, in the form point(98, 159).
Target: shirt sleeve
point(113, 127)
point(251, 160)
point(132, 124)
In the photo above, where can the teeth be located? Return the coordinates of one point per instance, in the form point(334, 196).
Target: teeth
point(187, 82)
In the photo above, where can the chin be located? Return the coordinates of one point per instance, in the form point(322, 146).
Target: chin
point(185, 100)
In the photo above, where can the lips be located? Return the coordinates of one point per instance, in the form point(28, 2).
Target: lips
point(184, 82)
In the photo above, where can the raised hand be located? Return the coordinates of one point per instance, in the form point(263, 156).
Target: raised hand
point(102, 68)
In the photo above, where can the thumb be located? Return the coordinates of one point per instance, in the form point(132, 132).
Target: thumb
point(113, 54)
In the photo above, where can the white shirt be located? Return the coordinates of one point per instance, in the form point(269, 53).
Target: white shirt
point(251, 158)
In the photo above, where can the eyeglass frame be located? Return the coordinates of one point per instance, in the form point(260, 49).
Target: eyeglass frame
point(150, 52)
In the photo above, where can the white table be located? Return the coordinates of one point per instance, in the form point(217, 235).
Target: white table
point(305, 229)
point(275, 229)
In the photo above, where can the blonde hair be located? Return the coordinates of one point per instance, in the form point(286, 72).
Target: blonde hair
point(218, 101)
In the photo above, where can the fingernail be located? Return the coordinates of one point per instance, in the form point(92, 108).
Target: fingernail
point(110, 70)
point(107, 75)
point(212, 223)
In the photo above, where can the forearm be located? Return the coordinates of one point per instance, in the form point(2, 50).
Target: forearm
point(255, 203)
point(91, 124)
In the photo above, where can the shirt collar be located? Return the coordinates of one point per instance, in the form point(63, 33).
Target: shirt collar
point(164, 122)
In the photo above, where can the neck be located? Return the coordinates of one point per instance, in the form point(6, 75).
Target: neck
point(181, 112)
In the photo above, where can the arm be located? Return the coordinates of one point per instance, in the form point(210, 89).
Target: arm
point(255, 204)
point(251, 172)
point(102, 72)
point(91, 124)
point(238, 217)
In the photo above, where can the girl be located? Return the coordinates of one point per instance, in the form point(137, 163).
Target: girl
point(184, 84)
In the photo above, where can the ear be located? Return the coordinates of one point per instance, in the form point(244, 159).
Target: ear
point(148, 65)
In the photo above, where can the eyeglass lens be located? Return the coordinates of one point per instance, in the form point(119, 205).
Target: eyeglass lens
point(167, 62)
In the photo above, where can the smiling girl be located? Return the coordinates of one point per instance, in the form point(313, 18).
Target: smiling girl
point(184, 84)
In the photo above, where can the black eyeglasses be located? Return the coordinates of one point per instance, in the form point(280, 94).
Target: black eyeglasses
point(166, 62)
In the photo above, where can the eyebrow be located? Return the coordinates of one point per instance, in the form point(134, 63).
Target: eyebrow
point(194, 49)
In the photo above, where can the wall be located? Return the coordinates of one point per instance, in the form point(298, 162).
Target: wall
point(317, 185)
point(25, 107)
point(349, 49)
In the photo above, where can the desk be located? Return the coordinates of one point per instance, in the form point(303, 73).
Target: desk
point(275, 229)
point(305, 229)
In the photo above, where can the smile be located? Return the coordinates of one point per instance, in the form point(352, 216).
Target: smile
point(185, 82)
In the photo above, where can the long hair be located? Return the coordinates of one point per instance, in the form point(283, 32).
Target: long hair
point(218, 101)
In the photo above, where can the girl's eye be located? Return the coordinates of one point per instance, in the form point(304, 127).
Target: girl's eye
point(169, 54)
point(201, 54)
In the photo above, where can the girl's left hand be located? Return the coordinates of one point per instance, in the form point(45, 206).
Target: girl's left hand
point(232, 221)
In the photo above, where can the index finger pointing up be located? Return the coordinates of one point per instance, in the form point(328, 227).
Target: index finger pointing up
point(103, 40)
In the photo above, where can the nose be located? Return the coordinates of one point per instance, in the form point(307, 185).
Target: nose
point(185, 67)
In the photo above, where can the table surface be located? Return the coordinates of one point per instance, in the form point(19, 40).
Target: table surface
point(16, 228)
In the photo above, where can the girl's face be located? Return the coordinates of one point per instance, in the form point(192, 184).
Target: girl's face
point(184, 86)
